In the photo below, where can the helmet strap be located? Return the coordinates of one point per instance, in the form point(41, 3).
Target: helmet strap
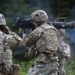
point(40, 23)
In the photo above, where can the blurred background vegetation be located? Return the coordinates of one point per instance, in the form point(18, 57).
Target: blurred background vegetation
point(12, 9)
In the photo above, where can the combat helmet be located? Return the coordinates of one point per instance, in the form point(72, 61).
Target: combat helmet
point(39, 15)
point(2, 20)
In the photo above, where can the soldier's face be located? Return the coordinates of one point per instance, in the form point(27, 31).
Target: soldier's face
point(35, 24)
point(21, 31)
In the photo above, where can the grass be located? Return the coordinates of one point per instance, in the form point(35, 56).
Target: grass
point(70, 67)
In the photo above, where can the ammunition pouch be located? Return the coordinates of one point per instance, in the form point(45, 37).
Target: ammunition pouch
point(16, 69)
point(9, 70)
point(32, 52)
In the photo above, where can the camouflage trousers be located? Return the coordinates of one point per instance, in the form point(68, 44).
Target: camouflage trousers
point(10, 70)
point(40, 68)
point(61, 67)
point(6, 70)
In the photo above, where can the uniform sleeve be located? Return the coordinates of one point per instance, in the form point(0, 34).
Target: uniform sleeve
point(19, 40)
point(14, 40)
point(32, 38)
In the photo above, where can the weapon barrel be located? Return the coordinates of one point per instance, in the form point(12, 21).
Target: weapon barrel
point(63, 25)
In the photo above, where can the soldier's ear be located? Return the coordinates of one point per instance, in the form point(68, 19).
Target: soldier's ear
point(35, 24)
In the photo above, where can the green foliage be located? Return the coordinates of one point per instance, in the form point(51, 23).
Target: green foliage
point(62, 7)
point(12, 9)
point(70, 67)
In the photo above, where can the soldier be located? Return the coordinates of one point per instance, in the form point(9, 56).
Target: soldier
point(8, 39)
point(63, 52)
point(64, 49)
point(45, 39)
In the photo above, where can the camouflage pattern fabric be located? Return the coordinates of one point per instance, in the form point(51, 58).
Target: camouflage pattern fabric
point(64, 52)
point(5, 51)
point(61, 70)
point(41, 68)
point(49, 64)
point(64, 49)
point(7, 39)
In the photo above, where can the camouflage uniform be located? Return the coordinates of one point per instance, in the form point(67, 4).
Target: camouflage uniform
point(45, 63)
point(64, 52)
point(7, 41)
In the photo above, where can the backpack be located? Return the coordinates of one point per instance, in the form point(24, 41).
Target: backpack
point(50, 38)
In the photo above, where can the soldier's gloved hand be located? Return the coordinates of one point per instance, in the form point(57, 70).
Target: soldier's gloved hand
point(24, 41)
